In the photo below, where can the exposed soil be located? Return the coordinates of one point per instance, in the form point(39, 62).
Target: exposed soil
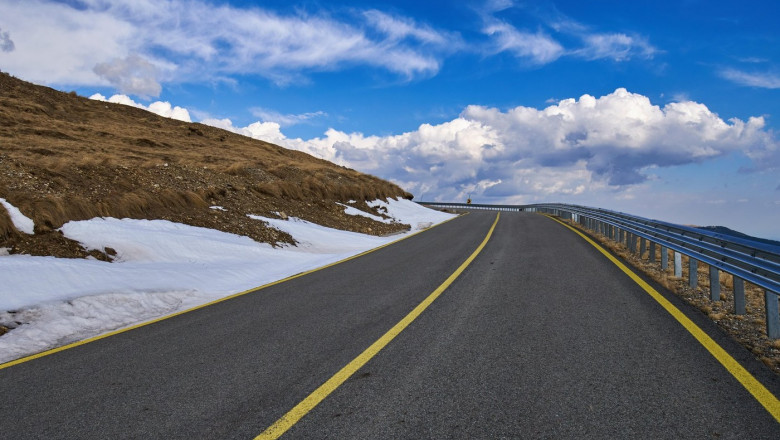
point(64, 157)
point(748, 329)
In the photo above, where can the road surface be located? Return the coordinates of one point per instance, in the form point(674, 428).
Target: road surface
point(539, 337)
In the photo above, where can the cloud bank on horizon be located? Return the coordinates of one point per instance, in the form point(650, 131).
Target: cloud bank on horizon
point(528, 154)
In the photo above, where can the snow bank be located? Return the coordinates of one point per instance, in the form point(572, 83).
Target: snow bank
point(351, 210)
point(318, 239)
point(161, 267)
point(411, 213)
point(20, 221)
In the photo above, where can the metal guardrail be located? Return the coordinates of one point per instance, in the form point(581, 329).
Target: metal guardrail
point(746, 260)
point(476, 206)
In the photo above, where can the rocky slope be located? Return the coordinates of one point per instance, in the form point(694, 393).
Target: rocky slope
point(64, 157)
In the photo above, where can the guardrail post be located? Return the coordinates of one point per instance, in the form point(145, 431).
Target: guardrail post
point(693, 272)
point(642, 247)
point(664, 257)
point(739, 295)
point(652, 252)
point(677, 264)
point(772, 315)
point(714, 284)
point(621, 233)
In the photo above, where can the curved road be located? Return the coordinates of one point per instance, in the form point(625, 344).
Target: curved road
point(540, 337)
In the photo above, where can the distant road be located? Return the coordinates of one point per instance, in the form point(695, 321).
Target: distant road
point(539, 337)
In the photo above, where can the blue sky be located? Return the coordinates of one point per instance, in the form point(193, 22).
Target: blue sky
point(662, 109)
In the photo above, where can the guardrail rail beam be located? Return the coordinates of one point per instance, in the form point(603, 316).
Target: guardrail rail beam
point(746, 260)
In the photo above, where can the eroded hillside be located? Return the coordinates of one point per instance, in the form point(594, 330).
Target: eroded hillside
point(65, 157)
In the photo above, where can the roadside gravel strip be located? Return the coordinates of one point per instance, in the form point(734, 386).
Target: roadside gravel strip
point(539, 337)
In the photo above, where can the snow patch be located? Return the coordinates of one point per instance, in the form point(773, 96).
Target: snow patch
point(314, 238)
point(217, 208)
point(60, 323)
point(162, 241)
point(20, 221)
point(350, 210)
point(160, 268)
point(411, 213)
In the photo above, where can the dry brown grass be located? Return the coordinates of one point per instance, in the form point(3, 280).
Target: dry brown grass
point(7, 229)
point(64, 157)
point(748, 329)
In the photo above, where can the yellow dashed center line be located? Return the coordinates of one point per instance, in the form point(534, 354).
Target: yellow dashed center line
point(312, 400)
point(754, 387)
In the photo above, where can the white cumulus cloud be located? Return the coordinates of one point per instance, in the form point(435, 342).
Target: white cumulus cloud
point(610, 143)
point(134, 75)
point(162, 108)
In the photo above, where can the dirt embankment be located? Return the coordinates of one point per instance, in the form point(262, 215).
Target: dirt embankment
point(65, 157)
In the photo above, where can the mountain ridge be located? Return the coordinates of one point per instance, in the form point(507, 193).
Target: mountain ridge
point(728, 231)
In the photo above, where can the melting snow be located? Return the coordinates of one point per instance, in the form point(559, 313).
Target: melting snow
point(160, 268)
point(20, 221)
point(350, 210)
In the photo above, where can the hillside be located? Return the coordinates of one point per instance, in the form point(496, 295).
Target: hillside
point(64, 157)
point(727, 231)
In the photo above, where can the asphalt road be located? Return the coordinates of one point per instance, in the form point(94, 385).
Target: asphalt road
point(541, 337)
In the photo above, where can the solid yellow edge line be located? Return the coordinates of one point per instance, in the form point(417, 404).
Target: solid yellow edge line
point(312, 400)
point(754, 387)
point(211, 303)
